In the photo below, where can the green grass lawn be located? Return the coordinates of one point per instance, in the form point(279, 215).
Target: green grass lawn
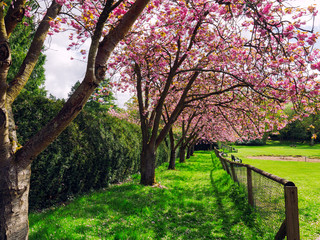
point(276, 149)
point(305, 175)
point(199, 201)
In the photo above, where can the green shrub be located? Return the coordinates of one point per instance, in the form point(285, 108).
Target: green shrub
point(94, 151)
point(254, 142)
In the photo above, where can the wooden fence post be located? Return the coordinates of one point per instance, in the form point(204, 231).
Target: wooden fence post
point(227, 167)
point(292, 212)
point(249, 185)
point(223, 163)
point(233, 173)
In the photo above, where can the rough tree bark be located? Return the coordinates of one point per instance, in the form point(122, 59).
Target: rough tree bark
point(188, 152)
point(172, 161)
point(312, 138)
point(14, 180)
point(148, 161)
point(192, 150)
point(14, 192)
point(182, 154)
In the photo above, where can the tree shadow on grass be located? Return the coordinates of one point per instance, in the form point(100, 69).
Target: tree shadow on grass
point(140, 214)
point(131, 211)
point(239, 221)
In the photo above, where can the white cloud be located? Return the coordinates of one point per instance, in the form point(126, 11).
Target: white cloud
point(62, 72)
point(305, 4)
point(122, 98)
point(316, 22)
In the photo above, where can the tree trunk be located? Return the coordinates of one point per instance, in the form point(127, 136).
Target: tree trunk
point(14, 191)
point(188, 152)
point(312, 136)
point(148, 163)
point(192, 150)
point(14, 183)
point(172, 162)
point(182, 154)
point(312, 142)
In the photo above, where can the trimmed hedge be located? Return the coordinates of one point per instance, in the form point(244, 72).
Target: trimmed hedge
point(254, 142)
point(94, 151)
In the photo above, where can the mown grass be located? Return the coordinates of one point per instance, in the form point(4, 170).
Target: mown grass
point(199, 201)
point(305, 175)
point(273, 148)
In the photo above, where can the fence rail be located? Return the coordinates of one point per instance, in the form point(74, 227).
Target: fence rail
point(227, 148)
point(274, 198)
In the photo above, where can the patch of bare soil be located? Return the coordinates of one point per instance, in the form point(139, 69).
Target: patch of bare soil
point(286, 158)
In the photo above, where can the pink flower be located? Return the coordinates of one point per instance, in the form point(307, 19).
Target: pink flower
point(267, 8)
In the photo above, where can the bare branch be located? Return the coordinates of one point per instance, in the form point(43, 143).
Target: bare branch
point(14, 15)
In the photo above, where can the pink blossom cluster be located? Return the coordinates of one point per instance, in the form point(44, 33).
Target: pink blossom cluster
point(123, 115)
point(180, 42)
point(315, 66)
point(80, 18)
point(244, 57)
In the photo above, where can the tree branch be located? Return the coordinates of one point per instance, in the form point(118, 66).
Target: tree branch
point(14, 15)
point(143, 118)
point(20, 80)
point(115, 35)
point(203, 96)
point(75, 103)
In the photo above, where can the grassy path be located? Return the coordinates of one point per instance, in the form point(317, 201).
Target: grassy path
point(305, 175)
point(199, 201)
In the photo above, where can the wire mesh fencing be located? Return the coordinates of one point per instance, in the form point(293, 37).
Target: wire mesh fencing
point(274, 198)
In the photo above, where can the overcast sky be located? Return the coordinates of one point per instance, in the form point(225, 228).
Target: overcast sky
point(62, 72)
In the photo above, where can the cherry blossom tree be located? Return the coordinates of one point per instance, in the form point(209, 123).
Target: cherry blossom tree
point(237, 119)
point(189, 124)
point(105, 23)
point(190, 130)
point(192, 50)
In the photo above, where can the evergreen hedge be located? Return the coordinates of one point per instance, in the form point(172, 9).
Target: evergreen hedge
point(94, 151)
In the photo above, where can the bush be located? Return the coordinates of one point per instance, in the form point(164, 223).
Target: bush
point(254, 142)
point(94, 151)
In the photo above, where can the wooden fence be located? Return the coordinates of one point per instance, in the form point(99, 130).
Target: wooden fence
point(227, 148)
point(243, 174)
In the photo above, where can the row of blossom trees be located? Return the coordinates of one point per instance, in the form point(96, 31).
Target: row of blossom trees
point(245, 59)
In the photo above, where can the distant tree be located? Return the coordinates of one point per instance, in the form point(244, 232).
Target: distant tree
point(293, 132)
point(314, 128)
point(101, 99)
point(189, 124)
point(301, 130)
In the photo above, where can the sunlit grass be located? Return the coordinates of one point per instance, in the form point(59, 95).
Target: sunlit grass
point(272, 149)
point(198, 201)
point(305, 175)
